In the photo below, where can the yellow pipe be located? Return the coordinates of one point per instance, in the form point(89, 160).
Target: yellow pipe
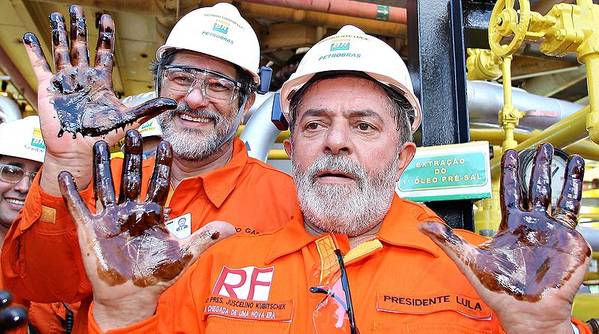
point(507, 80)
point(508, 116)
point(495, 136)
point(563, 133)
point(483, 64)
point(277, 154)
point(585, 148)
point(592, 65)
point(282, 136)
point(488, 213)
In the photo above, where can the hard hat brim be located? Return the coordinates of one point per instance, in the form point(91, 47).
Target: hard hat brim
point(255, 78)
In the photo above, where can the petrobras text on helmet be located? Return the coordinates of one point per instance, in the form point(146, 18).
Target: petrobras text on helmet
point(211, 34)
point(340, 55)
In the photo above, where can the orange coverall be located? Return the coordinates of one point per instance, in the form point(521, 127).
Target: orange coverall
point(401, 282)
point(41, 260)
point(45, 318)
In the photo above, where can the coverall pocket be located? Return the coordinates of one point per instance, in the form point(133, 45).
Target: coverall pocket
point(443, 314)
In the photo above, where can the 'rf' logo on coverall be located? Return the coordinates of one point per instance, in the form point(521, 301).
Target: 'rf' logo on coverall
point(249, 283)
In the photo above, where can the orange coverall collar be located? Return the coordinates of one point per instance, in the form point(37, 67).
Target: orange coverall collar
point(394, 231)
point(219, 183)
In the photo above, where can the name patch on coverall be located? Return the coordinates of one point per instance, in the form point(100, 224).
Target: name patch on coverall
point(470, 307)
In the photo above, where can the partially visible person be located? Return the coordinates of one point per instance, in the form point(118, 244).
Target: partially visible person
point(21, 155)
point(150, 131)
point(152, 134)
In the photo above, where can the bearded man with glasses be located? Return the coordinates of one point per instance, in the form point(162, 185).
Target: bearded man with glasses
point(206, 76)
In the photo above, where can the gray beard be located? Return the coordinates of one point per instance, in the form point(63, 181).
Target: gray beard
point(345, 209)
point(193, 144)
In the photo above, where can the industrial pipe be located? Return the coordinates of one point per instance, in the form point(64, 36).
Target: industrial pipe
point(540, 112)
point(592, 65)
point(259, 134)
point(563, 133)
point(131, 6)
point(9, 108)
point(590, 235)
point(344, 7)
point(585, 148)
point(314, 18)
point(509, 116)
point(277, 154)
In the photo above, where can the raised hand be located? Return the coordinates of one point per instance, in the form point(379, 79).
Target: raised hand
point(530, 271)
point(82, 95)
point(78, 98)
point(128, 253)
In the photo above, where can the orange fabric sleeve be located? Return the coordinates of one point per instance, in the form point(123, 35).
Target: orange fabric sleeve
point(40, 259)
point(582, 327)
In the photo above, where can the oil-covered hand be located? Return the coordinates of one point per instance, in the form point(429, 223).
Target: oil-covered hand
point(11, 316)
point(78, 97)
point(128, 253)
point(82, 94)
point(530, 271)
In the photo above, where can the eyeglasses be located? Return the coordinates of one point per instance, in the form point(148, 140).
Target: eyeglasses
point(213, 85)
point(336, 310)
point(14, 174)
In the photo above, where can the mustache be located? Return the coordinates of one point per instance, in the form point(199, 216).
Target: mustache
point(183, 107)
point(337, 163)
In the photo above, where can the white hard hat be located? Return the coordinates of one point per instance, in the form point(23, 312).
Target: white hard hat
point(350, 49)
point(218, 31)
point(23, 139)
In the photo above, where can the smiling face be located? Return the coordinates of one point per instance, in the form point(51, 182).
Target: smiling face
point(12, 195)
point(200, 125)
point(346, 154)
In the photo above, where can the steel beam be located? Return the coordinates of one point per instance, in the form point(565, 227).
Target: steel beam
point(549, 85)
point(437, 64)
point(476, 23)
point(18, 80)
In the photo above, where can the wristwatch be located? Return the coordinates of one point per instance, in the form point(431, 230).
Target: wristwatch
point(594, 324)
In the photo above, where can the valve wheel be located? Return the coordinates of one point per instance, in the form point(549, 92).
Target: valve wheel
point(507, 22)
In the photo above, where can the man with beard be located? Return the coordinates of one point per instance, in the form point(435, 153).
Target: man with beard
point(209, 67)
point(356, 256)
